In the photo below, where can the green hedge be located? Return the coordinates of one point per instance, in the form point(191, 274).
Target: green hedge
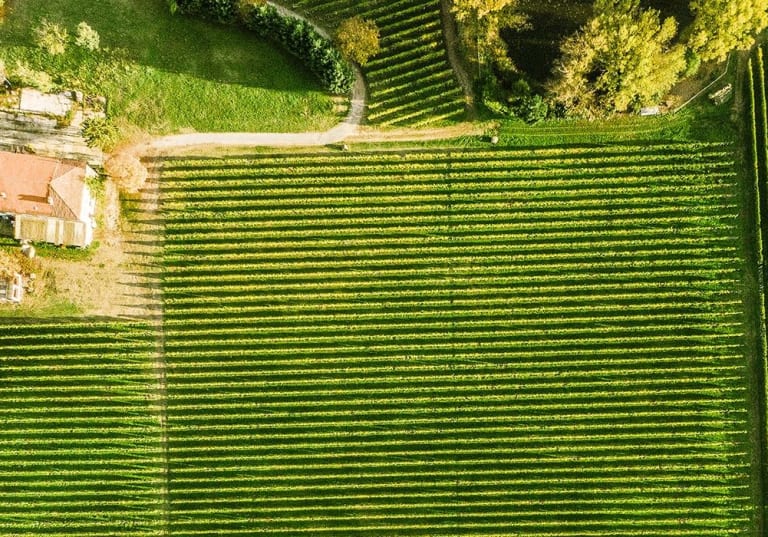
point(219, 10)
point(298, 36)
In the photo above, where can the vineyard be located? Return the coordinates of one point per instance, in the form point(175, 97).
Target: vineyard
point(456, 342)
point(80, 443)
point(757, 135)
point(410, 81)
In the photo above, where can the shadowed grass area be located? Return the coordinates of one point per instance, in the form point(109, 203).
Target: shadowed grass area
point(166, 73)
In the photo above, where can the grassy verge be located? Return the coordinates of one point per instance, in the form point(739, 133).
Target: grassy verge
point(753, 168)
point(700, 121)
point(167, 74)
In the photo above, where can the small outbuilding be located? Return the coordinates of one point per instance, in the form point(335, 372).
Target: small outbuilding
point(47, 199)
point(721, 95)
point(650, 111)
point(11, 280)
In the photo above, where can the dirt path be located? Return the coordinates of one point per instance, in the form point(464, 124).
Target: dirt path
point(122, 278)
point(459, 67)
point(347, 127)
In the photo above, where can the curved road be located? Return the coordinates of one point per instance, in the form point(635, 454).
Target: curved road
point(336, 134)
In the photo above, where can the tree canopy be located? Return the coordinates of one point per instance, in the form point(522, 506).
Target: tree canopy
point(620, 60)
point(126, 171)
point(721, 26)
point(478, 9)
point(358, 39)
point(51, 37)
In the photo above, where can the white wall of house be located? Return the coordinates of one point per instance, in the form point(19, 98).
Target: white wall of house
point(87, 214)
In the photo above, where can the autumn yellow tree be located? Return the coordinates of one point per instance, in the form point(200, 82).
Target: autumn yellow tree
point(358, 39)
point(479, 9)
point(721, 26)
point(128, 173)
point(479, 22)
point(620, 60)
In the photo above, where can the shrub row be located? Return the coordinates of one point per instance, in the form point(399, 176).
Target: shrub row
point(219, 10)
point(296, 35)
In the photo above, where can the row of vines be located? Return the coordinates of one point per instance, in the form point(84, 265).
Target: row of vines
point(80, 442)
point(457, 342)
point(410, 81)
point(757, 134)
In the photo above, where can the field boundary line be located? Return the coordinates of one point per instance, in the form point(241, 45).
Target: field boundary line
point(755, 257)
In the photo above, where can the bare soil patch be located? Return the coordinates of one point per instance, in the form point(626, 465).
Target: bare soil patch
point(121, 279)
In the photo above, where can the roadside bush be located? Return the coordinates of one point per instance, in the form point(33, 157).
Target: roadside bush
point(51, 37)
point(218, 10)
point(23, 75)
point(87, 37)
point(128, 173)
point(302, 40)
point(99, 132)
point(531, 108)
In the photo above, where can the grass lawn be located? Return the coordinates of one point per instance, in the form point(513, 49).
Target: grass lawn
point(167, 74)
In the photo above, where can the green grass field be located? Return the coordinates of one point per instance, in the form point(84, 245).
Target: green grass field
point(174, 73)
point(458, 342)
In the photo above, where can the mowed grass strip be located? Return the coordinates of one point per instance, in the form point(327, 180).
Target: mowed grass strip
point(405, 343)
point(80, 445)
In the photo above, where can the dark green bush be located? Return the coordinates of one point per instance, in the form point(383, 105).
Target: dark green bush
point(99, 132)
point(218, 10)
point(302, 40)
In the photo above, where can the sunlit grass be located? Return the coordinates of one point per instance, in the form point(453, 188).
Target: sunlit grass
point(168, 74)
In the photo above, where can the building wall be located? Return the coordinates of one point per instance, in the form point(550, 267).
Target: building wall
point(52, 230)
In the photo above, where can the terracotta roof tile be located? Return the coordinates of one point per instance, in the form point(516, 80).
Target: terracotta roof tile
point(25, 181)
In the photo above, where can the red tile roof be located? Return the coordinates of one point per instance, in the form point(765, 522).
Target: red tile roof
point(25, 182)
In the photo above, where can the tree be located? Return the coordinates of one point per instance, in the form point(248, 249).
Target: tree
point(479, 22)
point(358, 39)
point(126, 171)
point(87, 37)
point(51, 37)
point(620, 60)
point(465, 10)
point(9, 265)
point(99, 132)
point(721, 26)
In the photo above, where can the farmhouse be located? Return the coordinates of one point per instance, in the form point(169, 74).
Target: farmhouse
point(47, 199)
